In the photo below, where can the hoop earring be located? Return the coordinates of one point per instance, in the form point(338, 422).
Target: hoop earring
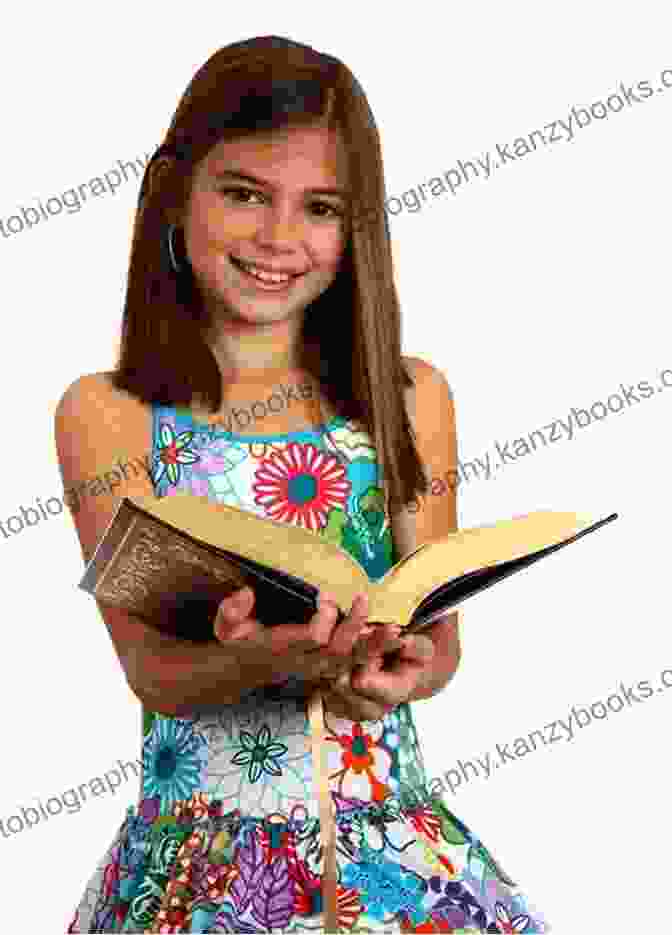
point(177, 267)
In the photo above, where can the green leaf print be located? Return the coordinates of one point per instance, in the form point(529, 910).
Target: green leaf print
point(481, 852)
point(368, 535)
point(333, 531)
point(148, 718)
point(160, 823)
point(221, 849)
point(450, 831)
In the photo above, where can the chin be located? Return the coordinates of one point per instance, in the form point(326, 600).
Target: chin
point(260, 310)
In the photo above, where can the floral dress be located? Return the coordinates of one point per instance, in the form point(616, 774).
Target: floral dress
point(226, 833)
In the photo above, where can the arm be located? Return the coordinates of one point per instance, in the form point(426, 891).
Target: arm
point(434, 425)
point(93, 424)
point(176, 677)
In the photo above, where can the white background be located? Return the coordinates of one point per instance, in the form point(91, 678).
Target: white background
point(543, 288)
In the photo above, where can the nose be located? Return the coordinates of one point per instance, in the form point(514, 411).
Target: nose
point(280, 228)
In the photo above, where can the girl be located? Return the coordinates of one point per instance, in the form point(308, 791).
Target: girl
point(261, 286)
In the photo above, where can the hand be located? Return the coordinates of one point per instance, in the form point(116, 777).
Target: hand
point(374, 689)
point(314, 650)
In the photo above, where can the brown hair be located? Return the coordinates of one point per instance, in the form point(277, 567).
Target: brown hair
point(354, 353)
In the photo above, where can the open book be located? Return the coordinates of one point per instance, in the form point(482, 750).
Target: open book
point(173, 559)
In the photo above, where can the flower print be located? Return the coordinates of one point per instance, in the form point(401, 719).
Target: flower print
point(174, 758)
point(308, 897)
point(259, 754)
point(411, 767)
point(264, 764)
point(479, 851)
point(481, 872)
point(365, 763)
point(385, 886)
point(439, 863)
point(172, 452)
point(363, 530)
point(300, 485)
point(277, 840)
point(508, 923)
point(426, 822)
point(148, 718)
point(112, 876)
point(170, 920)
point(194, 809)
point(210, 473)
point(433, 923)
point(212, 885)
point(261, 450)
point(351, 441)
point(307, 889)
point(348, 907)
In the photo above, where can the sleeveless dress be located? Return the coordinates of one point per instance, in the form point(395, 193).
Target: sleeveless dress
point(226, 833)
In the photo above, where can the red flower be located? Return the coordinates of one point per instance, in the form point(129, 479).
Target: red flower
point(435, 923)
point(301, 485)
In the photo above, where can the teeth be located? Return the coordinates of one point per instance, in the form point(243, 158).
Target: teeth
point(263, 275)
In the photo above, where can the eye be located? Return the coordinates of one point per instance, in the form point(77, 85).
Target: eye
point(239, 191)
point(241, 195)
point(334, 211)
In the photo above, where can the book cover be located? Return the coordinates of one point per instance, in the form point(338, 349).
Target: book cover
point(172, 560)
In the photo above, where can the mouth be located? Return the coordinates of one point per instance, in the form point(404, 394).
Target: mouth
point(265, 282)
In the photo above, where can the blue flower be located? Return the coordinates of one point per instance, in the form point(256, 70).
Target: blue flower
point(174, 758)
point(386, 887)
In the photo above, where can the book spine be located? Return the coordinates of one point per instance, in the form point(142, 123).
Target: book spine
point(110, 545)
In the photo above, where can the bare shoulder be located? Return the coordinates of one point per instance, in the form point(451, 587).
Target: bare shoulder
point(103, 440)
point(431, 390)
point(94, 404)
point(408, 526)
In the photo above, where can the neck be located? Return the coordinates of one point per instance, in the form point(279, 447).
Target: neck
point(249, 349)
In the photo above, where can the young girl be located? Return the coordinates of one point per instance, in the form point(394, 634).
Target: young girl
point(261, 289)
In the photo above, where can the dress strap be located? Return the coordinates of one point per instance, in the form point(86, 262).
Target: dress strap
point(327, 823)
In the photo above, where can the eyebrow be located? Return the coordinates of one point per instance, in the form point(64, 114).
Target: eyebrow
point(232, 173)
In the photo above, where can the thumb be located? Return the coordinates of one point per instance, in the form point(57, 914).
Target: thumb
point(232, 620)
point(234, 630)
point(417, 649)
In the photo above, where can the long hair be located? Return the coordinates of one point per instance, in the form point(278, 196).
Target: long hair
point(351, 341)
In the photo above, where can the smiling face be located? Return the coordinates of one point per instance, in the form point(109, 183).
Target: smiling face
point(268, 200)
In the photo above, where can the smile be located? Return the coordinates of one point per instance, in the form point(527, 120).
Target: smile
point(274, 281)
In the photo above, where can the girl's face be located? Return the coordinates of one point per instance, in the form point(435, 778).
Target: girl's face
point(275, 202)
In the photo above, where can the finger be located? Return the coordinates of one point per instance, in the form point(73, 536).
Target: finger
point(383, 640)
point(341, 684)
point(243, 630)
point(331, 670)
point(346, 634)
point(232, 622)
point(322, 624)
point(417, 648)
point(347, 689)
point(313, 636)
point(386, 686)
point(303, 638)
point(353, 708)
point(236, 606)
